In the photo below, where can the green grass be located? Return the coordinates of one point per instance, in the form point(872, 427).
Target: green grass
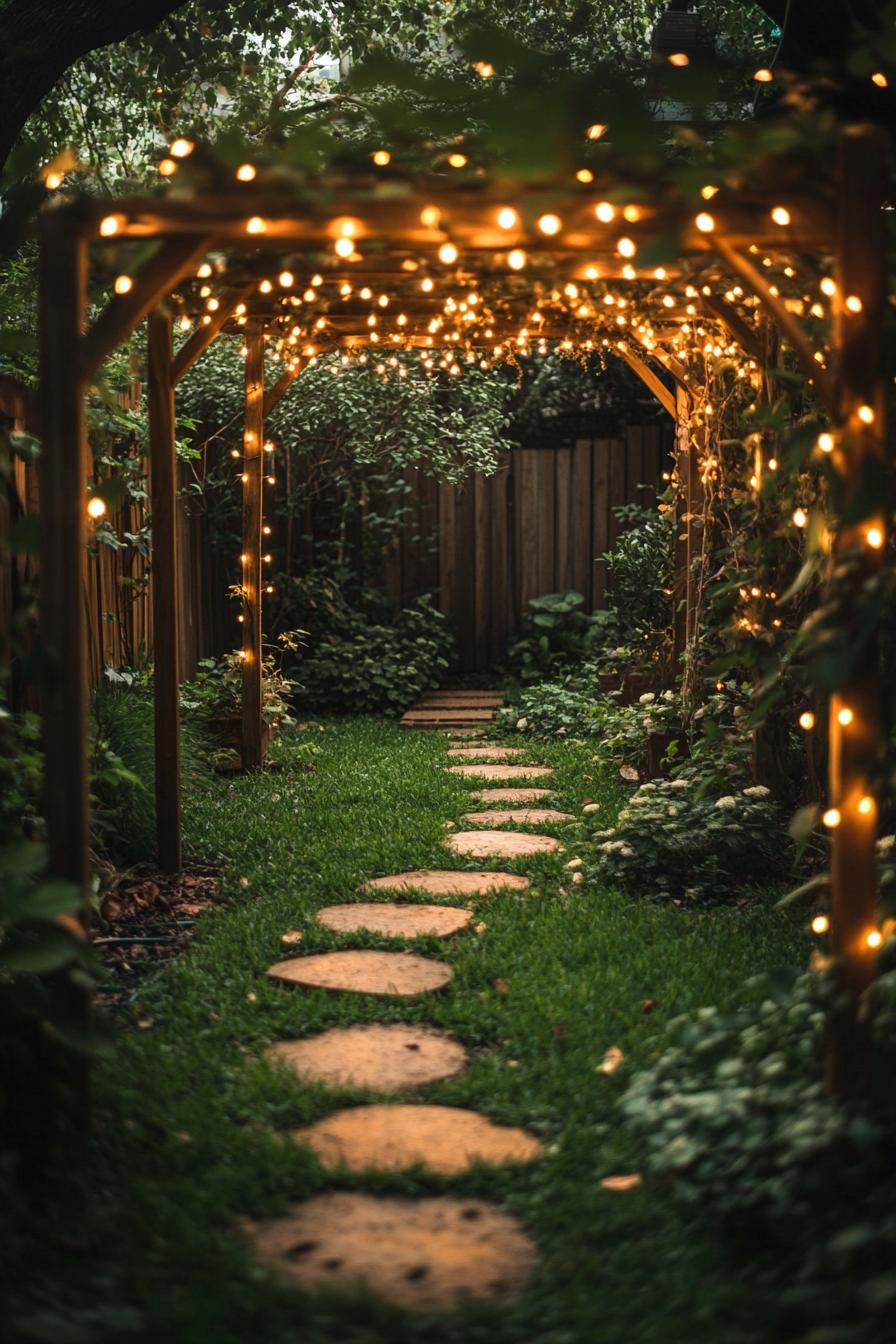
point(189, 1114)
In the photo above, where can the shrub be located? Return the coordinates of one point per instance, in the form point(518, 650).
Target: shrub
point(556, 633)
point(123, 769)
point(375, 669)
point(216, 692)
point(639, 573)
point(567, 708)
point(672, 842)
point(733, 1111)
point(626, 729)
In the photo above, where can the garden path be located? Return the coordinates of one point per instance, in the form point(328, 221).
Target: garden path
point(425, 1253)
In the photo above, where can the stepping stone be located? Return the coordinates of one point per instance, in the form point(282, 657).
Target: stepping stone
point(446, 718)
point(484, 753)
point(458, 734)
point(424, 1254)
point(381, 1058)
point(445, 882)
point(393, 974)
point(446, 1139)
point(500, 844)
point(500, 771)
point(512, 795)
point(395, 920)
point(525, 816)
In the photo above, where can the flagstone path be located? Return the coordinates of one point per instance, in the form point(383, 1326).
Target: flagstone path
point(426, 1253)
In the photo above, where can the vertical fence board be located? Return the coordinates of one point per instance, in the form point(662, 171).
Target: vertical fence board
point(582, 578)
point(564, 528)
point(600, 496)
point(545, 506)
point(526, 503)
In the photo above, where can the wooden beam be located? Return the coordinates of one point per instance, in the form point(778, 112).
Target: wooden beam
point(747, 338)
point(855, 745)
point(649, 379)
point(277, 389)
point(169, 264)
point(685, 457)
point(163, 496)
point(790, 327)
point(200, 340)
point(672, 366)
point(253, 479)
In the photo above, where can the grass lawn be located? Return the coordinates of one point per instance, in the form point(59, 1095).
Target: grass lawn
point(189, 1115)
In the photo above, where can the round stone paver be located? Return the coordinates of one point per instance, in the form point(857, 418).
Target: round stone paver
point(444, 882)
point(481, 753)
point(500, 771)
point(521, 816)
point(382, 1058)
point(394, 974)
point(426, 1254)
point(500, 844)
point(394, 919)
point(512, 795)
point(446, 1139)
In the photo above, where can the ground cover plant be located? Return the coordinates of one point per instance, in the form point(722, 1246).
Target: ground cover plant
point(191, 1122)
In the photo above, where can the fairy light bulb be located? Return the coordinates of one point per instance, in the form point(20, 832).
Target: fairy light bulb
point(246, 172)
point(866, 414)
point(457, 160)
point(343, 247)
point(831, 818)
point(381, 158)
point(874, 938)
point(800, 518)
point(605, 212)
point(123, 284)
point(852, 303)
point(110, 226)
point(825, 442)
point(807, 720)
point(820, 924)
point(781, 215)
point(865, 805)
point(596, 131)
point(550, 225)
point(96, 507)
point(516, 259)
point(763, 76)
point(880, 79)
point(448, 254)
point(286, 279)
point(845, 716)
point(181, 148)
point(708, 191)
point(875, 538)
point(679, 59)
point(167, 167)
point(507, 218)
point(256, 225)
point(584, 175)
point(626, 247)
point(705, 222)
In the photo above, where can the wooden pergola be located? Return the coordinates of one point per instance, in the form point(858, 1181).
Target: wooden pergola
point(304, 270)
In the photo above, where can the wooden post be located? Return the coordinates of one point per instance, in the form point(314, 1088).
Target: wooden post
point(854, 725)
point(681, 582)
point(51, 1100)
point(165, 616)
point(253, 477)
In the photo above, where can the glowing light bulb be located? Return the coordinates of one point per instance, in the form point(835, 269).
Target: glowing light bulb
point(457, 160)
point(866, 415)
point(800, 517)
point(427, 285)
point(123, 284)
point(246, 172)
point(550, 224)
point(53, 181)
point(381, 157)
point(180, 148)
point(874, 938)
point(807, 720)
point(605, 212)
point(865, 805)
point(516, 259)
point(626, 247)
point(343, 247)
point(167, 167)
point(880, 79)
point(825, 442)
point(430, 216)
point(286, 279)
point(820, 924)
point(679, 59)
point(507, 218)
point(448, 254)
point(853, 303)
point(763, 76)
point(96, 507)
point(831, 818)
point(110, 225)
point(845, 716)
point(595, 131)
point(705, 222)
point(584, 175)
point(875, 538)
point(781, 216)
point(828, 286)
point(256, 225)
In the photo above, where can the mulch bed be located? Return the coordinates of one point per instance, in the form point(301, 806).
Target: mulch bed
point(146, 919)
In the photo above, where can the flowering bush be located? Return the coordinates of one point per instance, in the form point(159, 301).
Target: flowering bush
point(735, 1112)
point(567, 708)
point(625, 729)
point(669, 841)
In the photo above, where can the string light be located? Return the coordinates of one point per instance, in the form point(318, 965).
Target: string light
point(110, 225)
point(53, 181)
point(343, 247)
point(832, 818)
point(679, 59)
point(763, 76)
point(880, 79)
point(584, 175)
point(507, 218)
point(865, 805)
point(828, 286)
point(626, 247)
point(820, 924)
point(705, 222)
point(96, 507)
point(781, 216)
point(167, 167)
point(180, 148)
point(605, 212)
point(448, 254)
point(596, 131)
point(516, 259)
point(874, 938)
point(246, 172)
point(825, 442)
point(866, 415)
point(381, 157)
point(853, 303)
point(457, 160)
point(800, 518)
point(807, 720)
point(845, 716)
point(123, 284)
point(256, 225)
point(875, 538)
point(708, 191)
point(550, 224)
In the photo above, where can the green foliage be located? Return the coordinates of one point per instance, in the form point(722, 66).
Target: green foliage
point(639, 574)
point(216, 692)
point(366, 668)
point(673, 842)
point(556, 634)
point(566, 708)
point(123, 768)
point(734, 1114)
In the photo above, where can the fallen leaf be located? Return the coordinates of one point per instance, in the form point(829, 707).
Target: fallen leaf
point(502, 985)
point(294, 936)
point(620, 1182)
point(611, 1060)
